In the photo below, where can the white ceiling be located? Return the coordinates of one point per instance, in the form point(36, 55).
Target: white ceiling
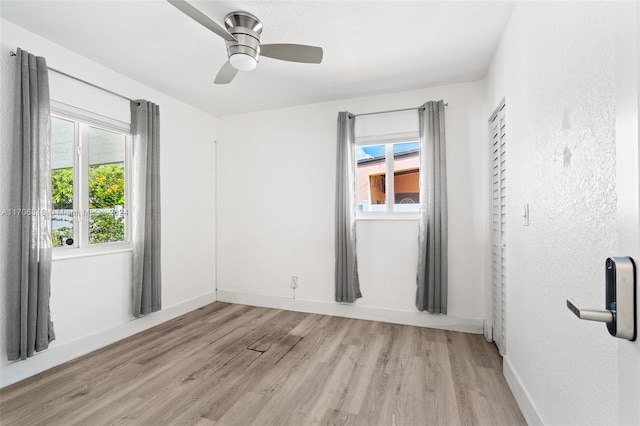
point(369, 46)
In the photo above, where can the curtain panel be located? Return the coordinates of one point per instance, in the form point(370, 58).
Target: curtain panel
point(346, 280)
point(432, 238)
point(147, 282)
point(28, 248)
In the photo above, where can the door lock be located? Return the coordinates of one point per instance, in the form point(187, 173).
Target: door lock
point(620, 300)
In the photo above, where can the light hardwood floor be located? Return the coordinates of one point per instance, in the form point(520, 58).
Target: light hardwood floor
point(230, 364)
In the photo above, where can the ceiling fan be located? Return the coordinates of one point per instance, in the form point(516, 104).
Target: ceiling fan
point(241, 32)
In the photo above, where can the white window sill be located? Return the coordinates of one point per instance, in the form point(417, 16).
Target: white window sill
point(388, 216)
point(63, 253)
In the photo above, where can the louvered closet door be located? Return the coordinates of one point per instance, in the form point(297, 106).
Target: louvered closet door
point(498, 219)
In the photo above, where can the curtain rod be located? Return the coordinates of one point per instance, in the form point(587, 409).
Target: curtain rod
point(385, 112)
point(85, 82)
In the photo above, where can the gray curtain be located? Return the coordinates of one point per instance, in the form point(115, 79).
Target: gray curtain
point(432, 238)
point(347, 284)
point(29, 327)
point(145, 126)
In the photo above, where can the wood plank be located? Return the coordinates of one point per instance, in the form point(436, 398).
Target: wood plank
point(330, 392)
point(280, 325)
point(337, 417)
point(463, 376)
point(245, 381)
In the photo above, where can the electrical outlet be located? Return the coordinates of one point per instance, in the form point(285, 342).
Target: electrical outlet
point(294, 282)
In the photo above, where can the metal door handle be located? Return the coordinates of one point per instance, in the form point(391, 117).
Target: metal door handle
point(620, 300)
point(590, 314)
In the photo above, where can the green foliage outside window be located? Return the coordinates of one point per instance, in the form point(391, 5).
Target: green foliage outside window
point(60, 235)
point(105, 227)
point(106, 186)
point(62, 188)
point(62, 197)
point(106, 191)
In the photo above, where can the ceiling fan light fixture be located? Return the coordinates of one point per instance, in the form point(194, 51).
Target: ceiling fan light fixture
point(242, 34)
point(243, 62)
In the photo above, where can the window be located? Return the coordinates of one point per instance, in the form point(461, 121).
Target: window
point(89, 182)
point(376, 191)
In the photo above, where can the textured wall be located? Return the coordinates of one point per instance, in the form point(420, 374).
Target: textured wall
point(555, 67)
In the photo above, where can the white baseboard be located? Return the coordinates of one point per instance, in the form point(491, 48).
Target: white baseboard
point(523, 399)
point(56, 355)
point(488, 331)
point(416, 318)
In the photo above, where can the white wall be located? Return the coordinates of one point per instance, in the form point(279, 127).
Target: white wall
point(276, 186)
point(90, 296)
point(556, 70)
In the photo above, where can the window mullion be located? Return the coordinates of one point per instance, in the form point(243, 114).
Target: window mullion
point(84, 185)
point(128, 149)
point(77, 160)
point(389, 187)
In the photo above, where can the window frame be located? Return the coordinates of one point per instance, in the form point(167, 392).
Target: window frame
point(83, 121)
point(388, 140)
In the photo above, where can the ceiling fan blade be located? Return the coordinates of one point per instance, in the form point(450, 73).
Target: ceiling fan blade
point(226, 74)
point(199, 16)
point(293, 52)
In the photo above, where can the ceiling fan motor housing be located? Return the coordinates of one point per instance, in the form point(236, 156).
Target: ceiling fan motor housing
point(246, 28)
